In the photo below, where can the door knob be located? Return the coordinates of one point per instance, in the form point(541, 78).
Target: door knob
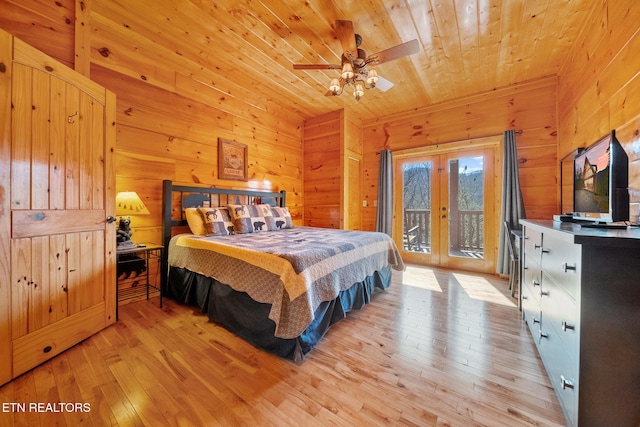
point(110, 219)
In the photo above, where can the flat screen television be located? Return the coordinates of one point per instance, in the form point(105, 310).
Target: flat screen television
point(601, 181)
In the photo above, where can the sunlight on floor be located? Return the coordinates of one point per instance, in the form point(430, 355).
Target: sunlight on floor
point(479, 288)
point(421, 278)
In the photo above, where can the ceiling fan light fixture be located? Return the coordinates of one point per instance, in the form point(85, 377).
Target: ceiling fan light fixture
point(347, 71)
point(334, 87)
point(358, 90)
point(372, 78)
point(354, 76)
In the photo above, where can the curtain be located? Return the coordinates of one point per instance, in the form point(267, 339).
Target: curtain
point(384, 214)
point(512, 205)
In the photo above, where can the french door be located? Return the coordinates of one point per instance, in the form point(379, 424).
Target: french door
point(445, 208)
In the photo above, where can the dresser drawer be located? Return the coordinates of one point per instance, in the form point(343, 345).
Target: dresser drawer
point(531, 315)
point(561, 313)
point(532, 282)
point(561, 262)
point(532, 242)
point(562, 371)
point(530, 301)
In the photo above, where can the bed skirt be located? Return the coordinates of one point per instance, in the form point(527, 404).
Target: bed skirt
point(240, 314)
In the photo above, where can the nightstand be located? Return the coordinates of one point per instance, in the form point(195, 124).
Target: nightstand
point(133, 267)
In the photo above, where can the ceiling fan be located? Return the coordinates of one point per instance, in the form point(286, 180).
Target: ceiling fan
point(355, 65)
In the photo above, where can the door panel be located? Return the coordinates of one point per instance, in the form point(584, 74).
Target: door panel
point(445, 209)
point(417, 210)
point(353, 194)
point(470, 206)
point(61, 267)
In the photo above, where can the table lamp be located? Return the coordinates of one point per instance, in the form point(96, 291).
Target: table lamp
point(127, 203)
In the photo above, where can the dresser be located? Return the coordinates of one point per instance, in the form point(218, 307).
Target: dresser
point(581, 302)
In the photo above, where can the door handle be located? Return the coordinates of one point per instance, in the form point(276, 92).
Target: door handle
point(110, 219)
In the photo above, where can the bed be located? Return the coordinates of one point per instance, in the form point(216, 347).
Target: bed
point(278, 286)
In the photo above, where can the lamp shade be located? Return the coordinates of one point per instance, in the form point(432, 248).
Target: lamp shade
point(129, 203)
point(347, 71)
point(359, 90)
point(372, 77)
point(334, 87)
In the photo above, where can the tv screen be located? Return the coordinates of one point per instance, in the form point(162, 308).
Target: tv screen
point(601, 176)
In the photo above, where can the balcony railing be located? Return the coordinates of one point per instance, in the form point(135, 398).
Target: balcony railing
point(466, 229)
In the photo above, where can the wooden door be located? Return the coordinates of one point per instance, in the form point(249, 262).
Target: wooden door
point(352, 191)
point(467, 211)
point(59, 191)
point(445, 209)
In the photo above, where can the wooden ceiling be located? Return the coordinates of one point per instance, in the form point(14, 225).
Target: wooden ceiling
point(246, 49)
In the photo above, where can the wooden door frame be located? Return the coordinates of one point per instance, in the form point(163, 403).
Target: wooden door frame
point(6, 55)
point(493, 143)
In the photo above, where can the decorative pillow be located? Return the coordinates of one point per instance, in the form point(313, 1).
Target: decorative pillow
point(281, 218)
point(194, 219)
point(251, 218)
point(216, 221)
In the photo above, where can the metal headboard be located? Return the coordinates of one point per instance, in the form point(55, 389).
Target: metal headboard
point(176, 198)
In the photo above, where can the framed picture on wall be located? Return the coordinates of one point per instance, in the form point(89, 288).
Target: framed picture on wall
point(232, 160)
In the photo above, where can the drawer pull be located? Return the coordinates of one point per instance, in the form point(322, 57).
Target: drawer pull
point(536, 282)
point(544, 334)
point(545, 251)
point(535, 320)
point(566, 383)
point(566, 267)
point(525, 297)
point(47, 349)
point(544, 293)
point(536, 246)
point(566, 326)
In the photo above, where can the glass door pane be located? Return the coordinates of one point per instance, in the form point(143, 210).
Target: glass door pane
point(416, 209)
point(466, 207)
point(445, 208)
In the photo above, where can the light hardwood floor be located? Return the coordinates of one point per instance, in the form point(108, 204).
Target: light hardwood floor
point(438, 348)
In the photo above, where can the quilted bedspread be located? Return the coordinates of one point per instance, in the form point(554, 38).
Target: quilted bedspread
point(293, 269)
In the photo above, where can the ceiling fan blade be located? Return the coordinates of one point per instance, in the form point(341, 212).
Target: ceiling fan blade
point(344, 31)
point(383, 84)
point(316, 67)
point(396, 52)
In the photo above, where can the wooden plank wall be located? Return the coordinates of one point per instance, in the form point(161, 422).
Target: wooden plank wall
point(352, 171)
point(323, 139)
point(528, 106)
point(599, 87)
point(332, 170)
point(168, 120)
